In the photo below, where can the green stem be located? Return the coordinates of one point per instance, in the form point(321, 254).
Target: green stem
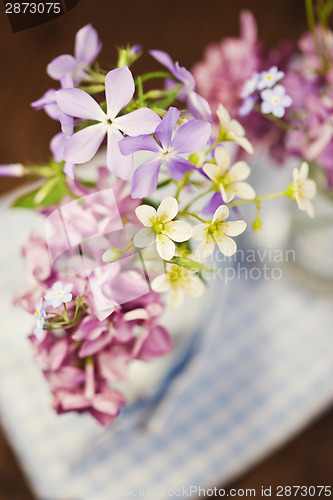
point(200, 195)
point(256, 199)
point(184, 213)
point(155, 74)
point(182, 184)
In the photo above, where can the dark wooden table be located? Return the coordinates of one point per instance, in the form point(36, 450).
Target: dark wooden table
point(183, 28)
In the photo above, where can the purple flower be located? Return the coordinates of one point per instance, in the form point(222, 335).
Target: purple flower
point(189, 138)
point(87, 48)
point(83, 145)
point(275, 101)
point(12, 170)
point(268, 79)
point(196, 104)
point(60, 294)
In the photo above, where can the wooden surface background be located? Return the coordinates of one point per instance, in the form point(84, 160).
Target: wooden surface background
point(183, 28)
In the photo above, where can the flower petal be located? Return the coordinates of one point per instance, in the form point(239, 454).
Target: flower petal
point(130, 145)
point(222, 157)
point(234, 228)
point(76, 102)
point(87, 45)
point(178, 230)
point(61, 65)
point(146, 214)
point(165, 128)
point(177, 166)
point(303, 171)
point(83, 145)
point(141, 121)
point(213, 171)
point(226, 245)
point(119, 90)
point(145, 178)
point(168, 208)
point(144, 237)
point(194, 287)
point(160, 284)
point(310, 189)
point(240, 170)
point(199, 231)
point(221, 213)
point(165, 247)
point(164, 59)
point(205, 248)
point(191, 136)
point(176, 297)
point(244, 190)
point(118, 164)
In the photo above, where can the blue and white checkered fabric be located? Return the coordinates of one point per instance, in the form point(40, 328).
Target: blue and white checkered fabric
point(266, 369)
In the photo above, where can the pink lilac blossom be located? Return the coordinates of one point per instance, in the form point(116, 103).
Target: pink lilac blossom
point(83, 362)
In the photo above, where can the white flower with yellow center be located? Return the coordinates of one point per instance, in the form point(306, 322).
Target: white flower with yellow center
point(177, 281)
point(229, 181)
point(160, 227)
point(303, 189)
point(232, 130)
point(218, 231)
point(59, 294)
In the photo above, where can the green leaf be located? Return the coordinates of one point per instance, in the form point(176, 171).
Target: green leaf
point(190, 264)
point(50, 193)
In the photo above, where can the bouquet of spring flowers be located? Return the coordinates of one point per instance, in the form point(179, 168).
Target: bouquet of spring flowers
point(172, 179)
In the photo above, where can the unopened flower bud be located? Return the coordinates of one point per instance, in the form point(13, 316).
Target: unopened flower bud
point(111, 255)
point(256, 225)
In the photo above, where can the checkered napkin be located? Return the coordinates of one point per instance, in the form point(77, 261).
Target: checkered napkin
point(260, 370)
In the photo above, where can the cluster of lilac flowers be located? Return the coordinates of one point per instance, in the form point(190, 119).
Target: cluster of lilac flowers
point(82, 351)
point(235, 73)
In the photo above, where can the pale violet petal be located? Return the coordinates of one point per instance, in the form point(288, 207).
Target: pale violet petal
point(83, 145)
point(191, 136)
point(130, 145)
point(61, 65)
point(145, 178)
point(118, 164)
point(119, 90)
point(140, 121)
point(87, 45)
point(165, 128)
point(76, 102)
